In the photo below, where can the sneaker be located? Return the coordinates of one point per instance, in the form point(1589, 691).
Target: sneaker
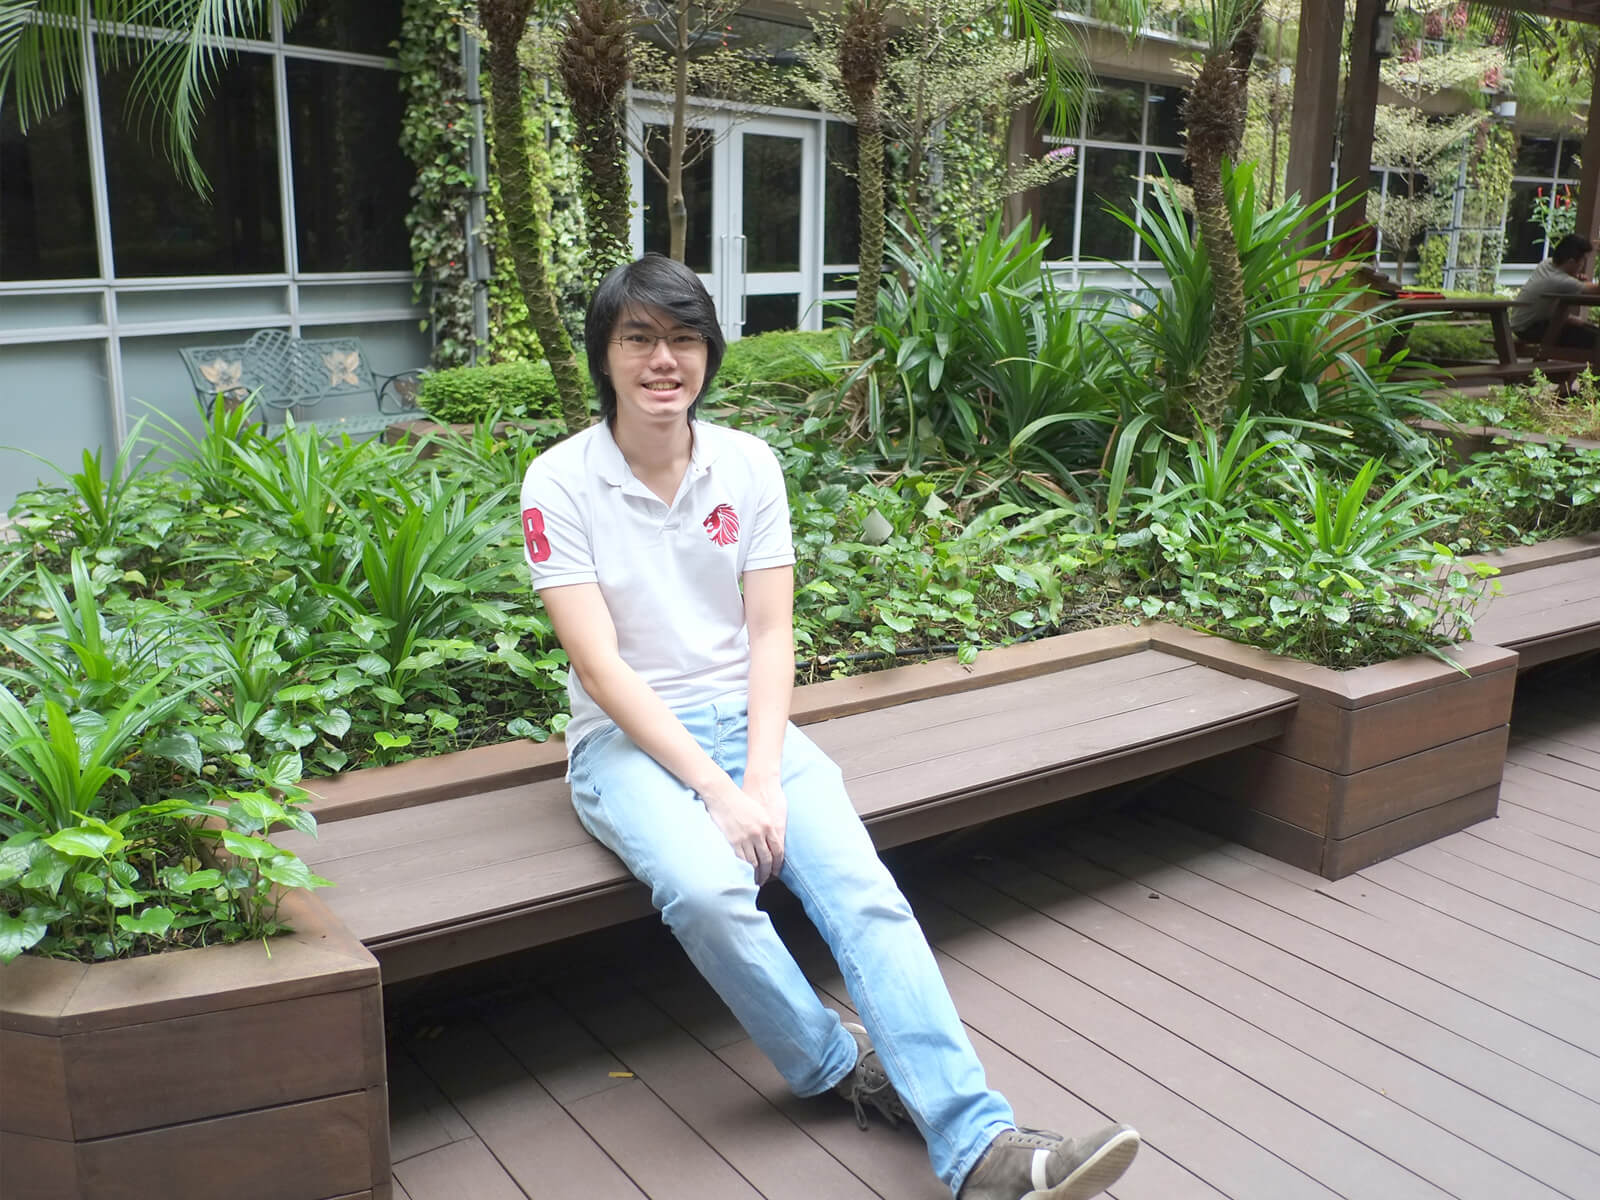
point(869, 1083)
point(1031, 1164)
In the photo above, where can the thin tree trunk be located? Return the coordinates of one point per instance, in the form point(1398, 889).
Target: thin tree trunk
point(504, 22)
point(1213, 385)
point(869, 181)
point(596, 64)
point(677, 209)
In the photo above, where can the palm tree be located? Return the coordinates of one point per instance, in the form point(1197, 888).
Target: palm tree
point(1213, 113)
point(863, 47)
point(504, 24)
point(44, 49)
point(596, 61)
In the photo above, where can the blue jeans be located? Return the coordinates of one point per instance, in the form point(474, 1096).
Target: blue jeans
point(707, 896)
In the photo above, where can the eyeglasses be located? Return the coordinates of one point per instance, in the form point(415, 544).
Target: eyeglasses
point(643, 345)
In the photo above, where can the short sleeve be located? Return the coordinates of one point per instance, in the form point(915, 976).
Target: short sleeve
point(555, 534)
point(771, 542)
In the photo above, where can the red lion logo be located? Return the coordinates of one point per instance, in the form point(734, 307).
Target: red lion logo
point(723, 525)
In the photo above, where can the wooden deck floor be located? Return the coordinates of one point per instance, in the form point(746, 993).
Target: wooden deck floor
point(1429, 1027)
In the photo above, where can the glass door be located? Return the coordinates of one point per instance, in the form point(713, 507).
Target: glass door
point(771, 277)
point(752, 196)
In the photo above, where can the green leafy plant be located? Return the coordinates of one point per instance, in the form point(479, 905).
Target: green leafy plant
point(517, 390)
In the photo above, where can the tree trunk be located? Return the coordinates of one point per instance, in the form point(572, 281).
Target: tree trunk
point(1214, 112)
point(1213, 386)
point(677, 210)
point(869, 181)
point(504, 22)
point(596, 64)
point(863, 47)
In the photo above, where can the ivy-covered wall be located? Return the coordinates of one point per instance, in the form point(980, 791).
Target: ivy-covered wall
point(436, 135)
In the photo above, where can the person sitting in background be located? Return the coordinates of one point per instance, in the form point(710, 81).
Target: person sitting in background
point(1564, 273)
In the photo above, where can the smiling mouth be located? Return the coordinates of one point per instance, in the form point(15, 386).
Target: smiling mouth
point(663, 385)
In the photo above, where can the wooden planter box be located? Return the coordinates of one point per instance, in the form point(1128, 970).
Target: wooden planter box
point(1376, 760)
point(198, 1074)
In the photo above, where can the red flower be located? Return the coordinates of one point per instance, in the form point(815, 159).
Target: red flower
point(723, 525)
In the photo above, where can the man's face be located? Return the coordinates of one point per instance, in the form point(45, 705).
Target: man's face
point(1578, 267)
point(656, 365)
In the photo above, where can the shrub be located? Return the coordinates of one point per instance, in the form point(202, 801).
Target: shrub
point(783, 358)
point(520, 390)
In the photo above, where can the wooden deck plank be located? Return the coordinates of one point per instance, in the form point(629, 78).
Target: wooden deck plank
point(1400, 891)
point(758, 1141)
point(459, 1169)
point(1558, 747)
point(1299, 1142)
point(666, 1157)
point(1530, 887)
point(1200, 916)
point(535, 1141)
point(397, 1191)
point(1538, 850)
point(1515, 798)
point(1566, 769)
point(1062, 928)
point(420, 1117)
point(1536, 591)
point(1040, 1100)
point(1567, 800)
point(1477, 998)
point(1076, 1101)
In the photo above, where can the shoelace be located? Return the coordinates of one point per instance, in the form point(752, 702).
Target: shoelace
point(871, 1084)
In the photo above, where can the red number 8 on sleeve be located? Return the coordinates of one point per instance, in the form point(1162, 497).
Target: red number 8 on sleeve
point(533, 534)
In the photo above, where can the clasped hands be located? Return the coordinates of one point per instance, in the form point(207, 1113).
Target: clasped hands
point(754, 819)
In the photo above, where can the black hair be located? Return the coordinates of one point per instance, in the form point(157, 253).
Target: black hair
point(657, 282)
point(1573, 246)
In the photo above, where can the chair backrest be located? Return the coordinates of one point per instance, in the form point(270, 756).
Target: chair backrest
point(284, 371)
point(216, 369)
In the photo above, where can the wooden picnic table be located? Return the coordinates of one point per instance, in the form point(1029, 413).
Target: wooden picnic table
point(1498, 311)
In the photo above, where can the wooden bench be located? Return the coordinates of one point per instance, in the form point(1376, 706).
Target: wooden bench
point(287, 374)
point(1549, 602)
point(452, 860)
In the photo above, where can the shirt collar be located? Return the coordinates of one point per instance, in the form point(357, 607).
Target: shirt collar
point(613, 468)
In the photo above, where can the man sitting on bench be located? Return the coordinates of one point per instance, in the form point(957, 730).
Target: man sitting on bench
point(1564, 273)
point(661, 547)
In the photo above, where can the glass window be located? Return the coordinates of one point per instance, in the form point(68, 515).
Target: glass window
point(841, 226)
point(1176, 165)
point(356, 25)
point(159, 226)
point(1536, 156)
point(1571, 147)
point(1116, 112)
point(771, 187)
point(1524, 238)
point(1110, 178)
point(1166, 115)
point(46, 213)
point(352, 185)
point(764, 314)
point(696, 196)
point(1058, 206)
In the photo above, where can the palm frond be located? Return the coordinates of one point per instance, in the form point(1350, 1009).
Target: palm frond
point(179, 48)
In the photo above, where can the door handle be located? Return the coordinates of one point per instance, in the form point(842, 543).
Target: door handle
point(744, 268)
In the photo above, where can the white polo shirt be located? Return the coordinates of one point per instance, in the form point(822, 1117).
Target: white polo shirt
point(670, 574)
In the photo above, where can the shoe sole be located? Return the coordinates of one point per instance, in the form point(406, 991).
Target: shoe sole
point(1098, 1172)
